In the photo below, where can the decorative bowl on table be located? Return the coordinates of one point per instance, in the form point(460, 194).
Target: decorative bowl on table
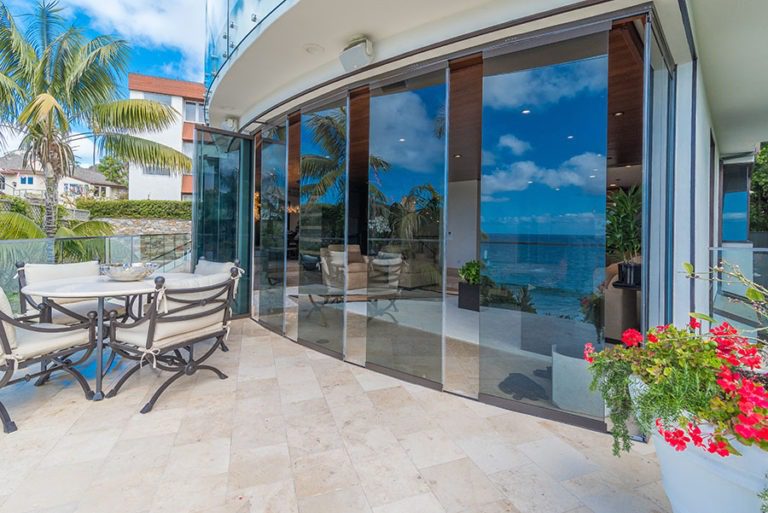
point(129, 272)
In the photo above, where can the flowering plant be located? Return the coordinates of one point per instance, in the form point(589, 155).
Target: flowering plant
point(699, 388)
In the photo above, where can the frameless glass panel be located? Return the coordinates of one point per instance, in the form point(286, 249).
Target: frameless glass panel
point(222, 205)
point(735, 202)
point(403, 295)
point(321, 249)
point(272, 224)
point(542, 219)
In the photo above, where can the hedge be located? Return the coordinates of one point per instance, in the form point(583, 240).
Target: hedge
point(137, 209)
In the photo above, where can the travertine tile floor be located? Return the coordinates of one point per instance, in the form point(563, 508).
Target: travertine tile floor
point(294, 431)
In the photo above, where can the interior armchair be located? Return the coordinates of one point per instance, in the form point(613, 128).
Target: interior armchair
point(332, 260)
point(25, 344)
point(60, 310)
point(178, 320)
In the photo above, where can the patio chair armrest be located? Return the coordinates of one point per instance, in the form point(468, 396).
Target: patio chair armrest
point(32, 327)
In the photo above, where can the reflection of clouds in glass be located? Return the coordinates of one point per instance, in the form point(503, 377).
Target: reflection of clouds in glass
point(575, 172)
point(515, 145)
point(547, 85)
point(734, 216)
point(493, 199)
point(488, 158)
point(403, 133)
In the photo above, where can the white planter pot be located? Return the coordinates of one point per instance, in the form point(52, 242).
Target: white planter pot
point(699, 482)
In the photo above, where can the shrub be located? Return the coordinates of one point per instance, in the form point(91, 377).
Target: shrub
point(470, 272)
point(137, 209)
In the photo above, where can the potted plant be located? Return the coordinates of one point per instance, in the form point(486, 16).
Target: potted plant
point(623, 233)
point(702, 395)
point(469, 286)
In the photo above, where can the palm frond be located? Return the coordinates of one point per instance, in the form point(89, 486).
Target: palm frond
point(94, 72)
point(44, 108)
point(130, 148)
point(15, 226)
point(134, 115)
point(92, 229)
point(45, 21)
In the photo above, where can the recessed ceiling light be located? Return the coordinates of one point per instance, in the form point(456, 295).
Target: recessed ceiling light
point(613, 185)
point(527, 111)
point(530, 182)
point(402, 139)
point(457, 156)
point(557, 189)
point(592, 176)
point(313, 49)
point(628, 165)
point(618, 114)
point(570, 137)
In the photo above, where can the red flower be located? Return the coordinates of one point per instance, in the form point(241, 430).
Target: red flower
point(718, 447)
point(695, 433)
point(632, 338)
point(652, 338)
point(694, 323)
point(589, 350)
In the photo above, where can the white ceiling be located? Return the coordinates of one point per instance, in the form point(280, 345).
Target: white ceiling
point(733, 53)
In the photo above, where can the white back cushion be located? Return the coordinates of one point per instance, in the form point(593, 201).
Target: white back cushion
point(204, 267)
point(39, 273)
point(10, 330)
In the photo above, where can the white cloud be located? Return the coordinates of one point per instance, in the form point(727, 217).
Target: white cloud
point(172, 24)
point(83, 149)
point(488, 158)
point(574, 172)
point(548, 85)
point(513, 144)
point(582, 219)
point(404, 116)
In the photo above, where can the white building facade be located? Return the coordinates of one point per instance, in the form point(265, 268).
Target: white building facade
point(187, 99)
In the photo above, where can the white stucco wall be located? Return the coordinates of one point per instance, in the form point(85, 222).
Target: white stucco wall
point(158, 187)
point(462, 222)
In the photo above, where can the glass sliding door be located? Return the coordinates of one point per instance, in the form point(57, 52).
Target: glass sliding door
point(222, 204)
point(403, 298)
point(272, 227)
point(543, 223)
point(322, 253)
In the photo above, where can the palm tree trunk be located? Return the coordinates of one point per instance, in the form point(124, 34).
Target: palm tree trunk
point(51, 205)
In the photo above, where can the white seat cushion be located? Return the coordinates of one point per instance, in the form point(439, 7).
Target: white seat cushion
point(5, 307)
point(38, 273)
point(178, 330)
point(31, 344)
point(204, 267)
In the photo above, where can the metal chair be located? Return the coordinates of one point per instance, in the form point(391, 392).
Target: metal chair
point(59, 310)
point(179, 319)
point(25, 344)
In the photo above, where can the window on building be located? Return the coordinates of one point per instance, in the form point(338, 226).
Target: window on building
point(188, 149)
point(157, 170)
point(2, 183)
point(193, 112)
point(159, 98)
point(27, 180)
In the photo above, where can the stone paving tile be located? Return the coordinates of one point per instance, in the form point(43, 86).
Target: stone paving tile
point(295, 431)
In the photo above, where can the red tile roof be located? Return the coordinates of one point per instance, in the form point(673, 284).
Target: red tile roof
point(146, 83)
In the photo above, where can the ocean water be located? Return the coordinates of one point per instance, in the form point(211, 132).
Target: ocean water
point(559, 270)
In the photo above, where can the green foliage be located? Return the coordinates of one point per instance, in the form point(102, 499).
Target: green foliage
point(623, 224)
point(55, 80)
point(137, 209)
point(758, 200)
point(113, 170)
point(470, 272)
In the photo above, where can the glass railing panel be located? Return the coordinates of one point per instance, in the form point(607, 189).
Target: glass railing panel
point(729, 302)
point(32, 251)
point(216, 37)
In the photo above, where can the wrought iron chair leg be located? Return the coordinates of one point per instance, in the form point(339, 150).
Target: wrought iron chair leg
point(42, 380)
point(216, 371)
point(110, 361)
point(130, 372)
point(224, 347)
point(9, 426)
point(148, 407)
point(79, 378)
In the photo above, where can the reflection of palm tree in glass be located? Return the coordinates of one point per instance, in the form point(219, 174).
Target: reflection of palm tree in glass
point(323, 176)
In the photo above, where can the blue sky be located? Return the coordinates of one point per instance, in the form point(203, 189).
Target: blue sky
point(167, 37)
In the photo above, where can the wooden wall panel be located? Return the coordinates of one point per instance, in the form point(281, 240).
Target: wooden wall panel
point(465, 118)
point(294, 153)
point(625, 95)
point(359, 135)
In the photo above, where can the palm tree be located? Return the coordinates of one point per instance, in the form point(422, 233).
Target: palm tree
point(324, 174)
point(54, 80)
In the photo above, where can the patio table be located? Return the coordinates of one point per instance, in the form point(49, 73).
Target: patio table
point(99, 287)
